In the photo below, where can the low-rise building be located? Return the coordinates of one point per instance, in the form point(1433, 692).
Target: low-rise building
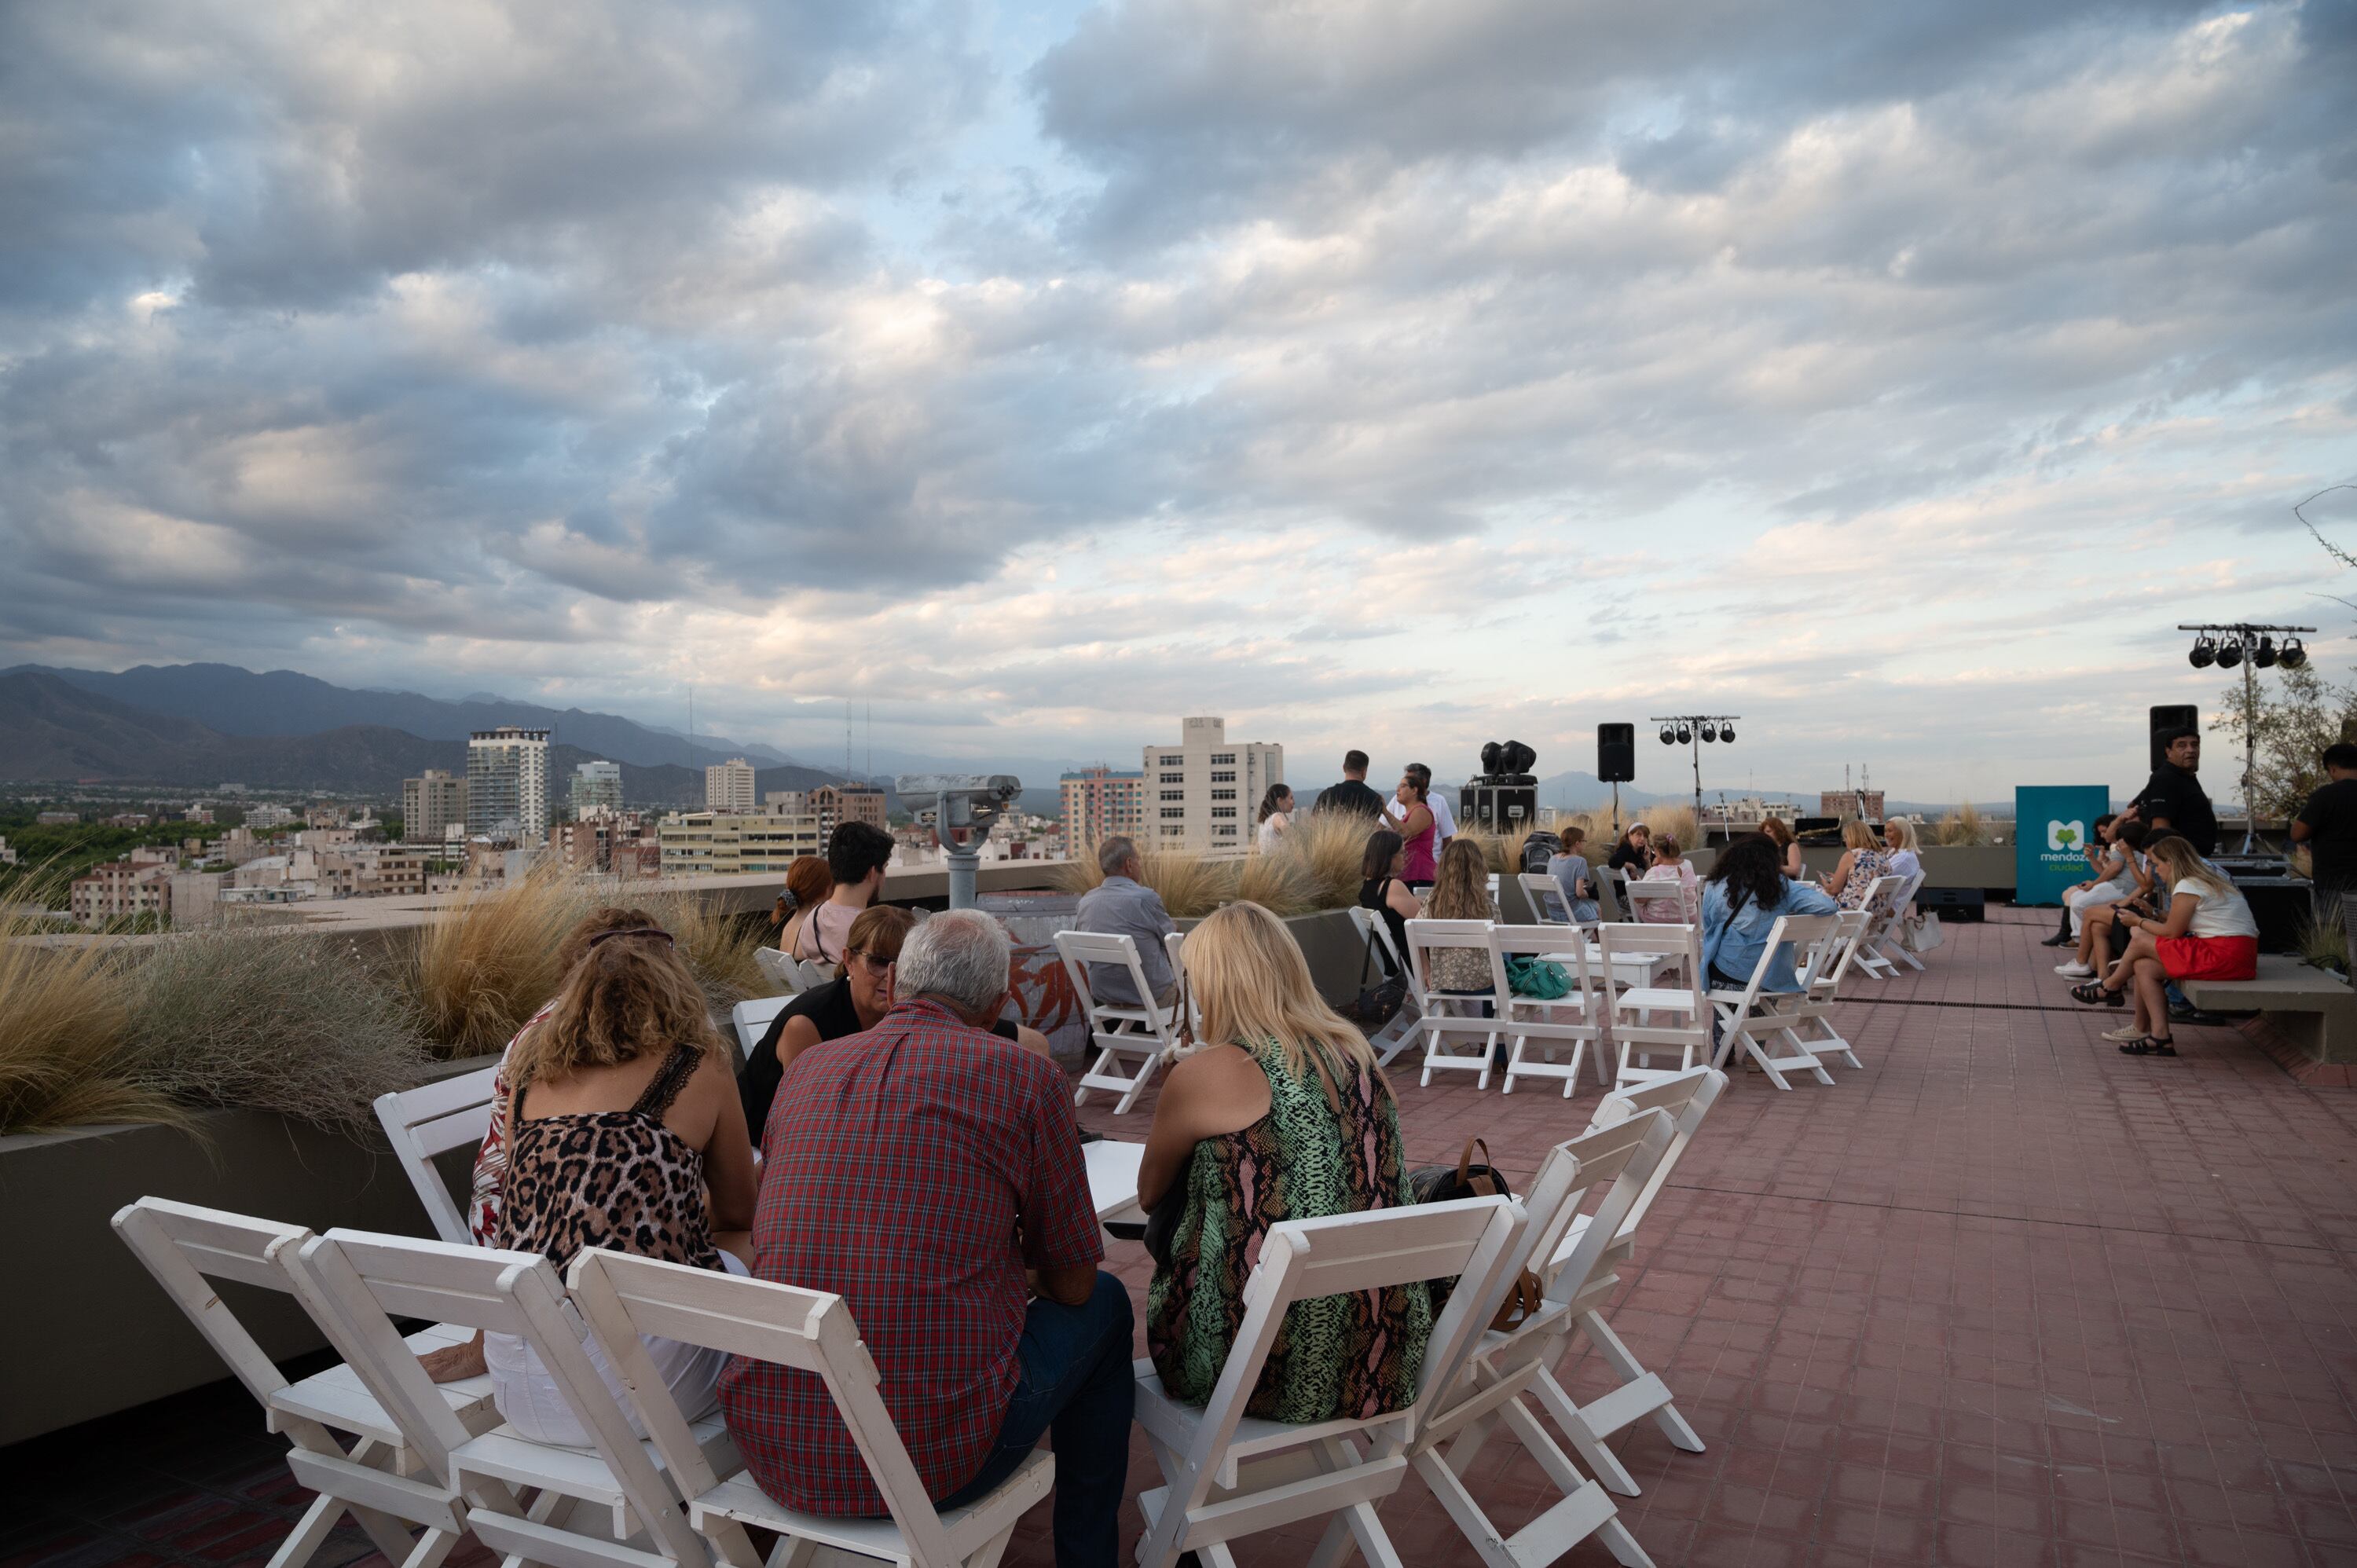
point(58, 818)
point(119, 889)
point(266, 816)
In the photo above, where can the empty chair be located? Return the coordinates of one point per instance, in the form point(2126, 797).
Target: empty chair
point(421, 1122)
point(1656, 1000)
point(1687, 1097)
point(1806, 1019)
point(387, 1480)
point(1228, 1475)
point(1574, 1019)
point(1746, 1015)
point(623, 1297)
point(1138, 1031)
point(1188, 1006)
point(1547, 906)
point(1453, 1014)
point(779, 969)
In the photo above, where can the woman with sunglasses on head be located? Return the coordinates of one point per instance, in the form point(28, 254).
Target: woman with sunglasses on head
point(853, 1002)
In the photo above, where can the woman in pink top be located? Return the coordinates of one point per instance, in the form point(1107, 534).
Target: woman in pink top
point(1670, 864)
point(1418, 829)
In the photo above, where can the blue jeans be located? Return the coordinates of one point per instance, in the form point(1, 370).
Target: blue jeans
point(1076, 1385)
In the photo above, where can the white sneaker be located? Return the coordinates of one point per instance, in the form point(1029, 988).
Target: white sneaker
point(2075, 969)
point(2125, 1032)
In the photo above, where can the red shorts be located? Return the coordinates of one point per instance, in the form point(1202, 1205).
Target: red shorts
point(2208, 958)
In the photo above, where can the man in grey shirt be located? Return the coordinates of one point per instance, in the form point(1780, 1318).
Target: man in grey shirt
point(1121, 906)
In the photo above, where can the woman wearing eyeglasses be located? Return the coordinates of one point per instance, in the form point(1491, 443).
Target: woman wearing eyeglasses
point(851, 1003)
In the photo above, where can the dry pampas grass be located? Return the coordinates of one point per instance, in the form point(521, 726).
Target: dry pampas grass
point(64, 1061)
point(488, 961)
point(1962, 827)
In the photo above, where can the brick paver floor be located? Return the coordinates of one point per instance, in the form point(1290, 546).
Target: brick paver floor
point(2005, 1296)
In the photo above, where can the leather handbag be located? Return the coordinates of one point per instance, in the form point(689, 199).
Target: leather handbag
point(1444, 1184)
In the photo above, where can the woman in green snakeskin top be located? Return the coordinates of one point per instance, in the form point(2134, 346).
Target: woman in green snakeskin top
point(1281, 1115)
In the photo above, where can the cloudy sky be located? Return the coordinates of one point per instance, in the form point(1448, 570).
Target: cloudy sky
point(1404, 375)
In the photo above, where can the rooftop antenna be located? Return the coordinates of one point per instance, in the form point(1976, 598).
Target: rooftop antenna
point(871, 743)
point(846, 740)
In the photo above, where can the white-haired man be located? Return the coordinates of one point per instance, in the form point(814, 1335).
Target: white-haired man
point(1122, 906)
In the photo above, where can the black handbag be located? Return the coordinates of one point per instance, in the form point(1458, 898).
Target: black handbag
point(1444, 1184)
point(1377, 1004)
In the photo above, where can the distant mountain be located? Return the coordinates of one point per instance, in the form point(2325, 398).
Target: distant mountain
point(232, 701)
point(54, 731)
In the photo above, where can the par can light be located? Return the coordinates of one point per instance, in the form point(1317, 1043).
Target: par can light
point(1727, 732)
point(1685, 734)
point(2204, 652)
point(1709, 731)
point(1669, 736)
point(2263, 656)
point(2230, 653)
point(2293, 655)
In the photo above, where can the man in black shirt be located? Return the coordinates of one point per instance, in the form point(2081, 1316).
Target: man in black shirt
point(2173, 798)
point(2328, 825)
point(1351, 795)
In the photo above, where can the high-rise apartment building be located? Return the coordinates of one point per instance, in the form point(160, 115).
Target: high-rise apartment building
point(731, 843)
point(1202, 792)
point(507, 784)
point(836, 803)
point(597, 787)
point(430, 804)
point(1099, 804)
point(728, 787)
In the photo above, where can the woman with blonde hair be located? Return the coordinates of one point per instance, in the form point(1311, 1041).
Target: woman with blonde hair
point(1898, 841)
point(1282, 1114)
point(1461, 892)
point(624, 1130)
point(2209, 933)
point(1862, 861)
point(1788, 848)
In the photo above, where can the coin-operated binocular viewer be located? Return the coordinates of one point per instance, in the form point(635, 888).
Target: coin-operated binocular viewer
point(959, 808)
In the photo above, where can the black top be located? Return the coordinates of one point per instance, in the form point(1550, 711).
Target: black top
point(1371, 896)
point(828, 1008)
point(2331, 817)
point(2177, 795)
point(1351, 795)
point(1626, 854)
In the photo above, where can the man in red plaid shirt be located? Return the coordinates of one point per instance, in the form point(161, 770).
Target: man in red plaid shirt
point(918, 1170)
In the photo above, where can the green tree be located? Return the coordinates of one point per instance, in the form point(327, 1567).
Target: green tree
point(2299, 713)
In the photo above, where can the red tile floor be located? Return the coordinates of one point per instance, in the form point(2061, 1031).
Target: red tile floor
point(2006, 1296)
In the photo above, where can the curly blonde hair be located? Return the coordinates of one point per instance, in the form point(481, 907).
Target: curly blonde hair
point(629, 993)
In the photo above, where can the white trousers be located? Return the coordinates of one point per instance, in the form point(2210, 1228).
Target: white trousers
point(532, 1403)
point(2100, 892)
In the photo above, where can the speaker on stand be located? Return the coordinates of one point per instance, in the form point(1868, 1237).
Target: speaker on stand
point(1616, 762)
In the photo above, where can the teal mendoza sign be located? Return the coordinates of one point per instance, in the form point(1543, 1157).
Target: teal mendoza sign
point(2051, 825)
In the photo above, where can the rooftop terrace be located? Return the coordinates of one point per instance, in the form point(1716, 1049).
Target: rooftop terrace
point(2006, 1296)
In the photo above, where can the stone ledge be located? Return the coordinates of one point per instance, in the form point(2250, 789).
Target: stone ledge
point(2307, 1018)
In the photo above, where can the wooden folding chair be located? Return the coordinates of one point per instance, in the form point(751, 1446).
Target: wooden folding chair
point(1548, 906)
point(1688, 1098)
point(421, 1122)
point(623, 1297)
point(1886, 926)
point(1400, 1033)
point(1644, 896)
point(778, 968)
point(1633, 1012)
point(1805, 1020)
point(1876, 907)
point(752, 1019)
point(1142, 1030)
point(1188, 1006)
point(383, 1480)
point(1574, 1020)
point(1228, 1475)
point(373, 1279)
point(1441, 1019)
point(1746, 1014)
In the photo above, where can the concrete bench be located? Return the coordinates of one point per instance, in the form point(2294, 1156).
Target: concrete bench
point(2307, 1016)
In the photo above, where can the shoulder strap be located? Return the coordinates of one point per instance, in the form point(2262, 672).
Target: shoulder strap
point(668, 1079)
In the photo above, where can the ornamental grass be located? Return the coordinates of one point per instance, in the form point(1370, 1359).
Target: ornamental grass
point(64, 1060)
point(489, 960)
point(1962, 828)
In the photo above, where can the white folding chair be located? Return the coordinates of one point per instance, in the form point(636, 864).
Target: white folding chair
point(1633, 1012)
point(1546, 894)
point(1611, 892)
point(623, 1297)
point(1746, 1014)
point(1142, 1029)
point(1874, 906)
point(1193, 1009)
point(1688, 1098)
point(1507, 1364)
point(421, 1122)
point(778, 969)
point(381, 1480)
point(1442, 1021)
point(1228, 1475)
point(1806, 1020)
point(614, 1487)
point(1497, 910)
point(1643, 898)
point(752, 1017)
point(1400, 1033)
point(1886, 910)
point(1574, 1020)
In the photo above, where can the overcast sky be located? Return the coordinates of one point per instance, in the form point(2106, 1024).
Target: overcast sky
point(1400, 375)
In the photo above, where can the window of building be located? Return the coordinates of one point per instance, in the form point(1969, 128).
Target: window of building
point(1224, 794)
point(1174, 762)
point(1224, 759)
point(1226, 832)
point(1223, 811)
point(1172, 831)
point(1170, 811)
point(1174, 778)
point(1223, 777)
point(1174, 794)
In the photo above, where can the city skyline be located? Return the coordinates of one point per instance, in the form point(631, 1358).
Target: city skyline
point(1399, 379)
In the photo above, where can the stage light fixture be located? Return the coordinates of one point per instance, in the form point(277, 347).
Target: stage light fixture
point(1669, 736)
point(2293, 655)
point(1727, 732)
point(1685, 734)
point(2204, 652)
point(2230, 653)
point(1709, 731)
point(2263, 656)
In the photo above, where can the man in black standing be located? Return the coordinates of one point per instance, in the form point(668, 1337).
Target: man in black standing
point(2173, 798)
point(2328, 826)
point(1351, 795)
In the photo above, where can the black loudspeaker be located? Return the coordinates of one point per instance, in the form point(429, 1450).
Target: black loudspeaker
point(2169, 717)
point(1616, 753)
point(1966, 904)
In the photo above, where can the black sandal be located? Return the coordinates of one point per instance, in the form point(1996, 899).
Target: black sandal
point(2093, 991)
point(2150, 1045)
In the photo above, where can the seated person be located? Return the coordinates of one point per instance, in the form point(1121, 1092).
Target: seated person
point(2209, 933)
point(920, 1169)
point(1746, 891)
point(1569, 869)
point(856, 855)
point(624, 1077)
point(2123, 873)
point(1384, 892)
point(1788, 848)
point(808, 882)
point(857, 999)
point(1899, 844)
point(1283, 1114)
point(1862, 861)
point(1461, 892)
point(1122, 906)
point(1634, 853)
point(1670, 864)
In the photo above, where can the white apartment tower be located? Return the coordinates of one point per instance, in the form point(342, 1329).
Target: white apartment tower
point(728, 787)
point(507, 784)
point(429, 805)
point(1201, 794)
